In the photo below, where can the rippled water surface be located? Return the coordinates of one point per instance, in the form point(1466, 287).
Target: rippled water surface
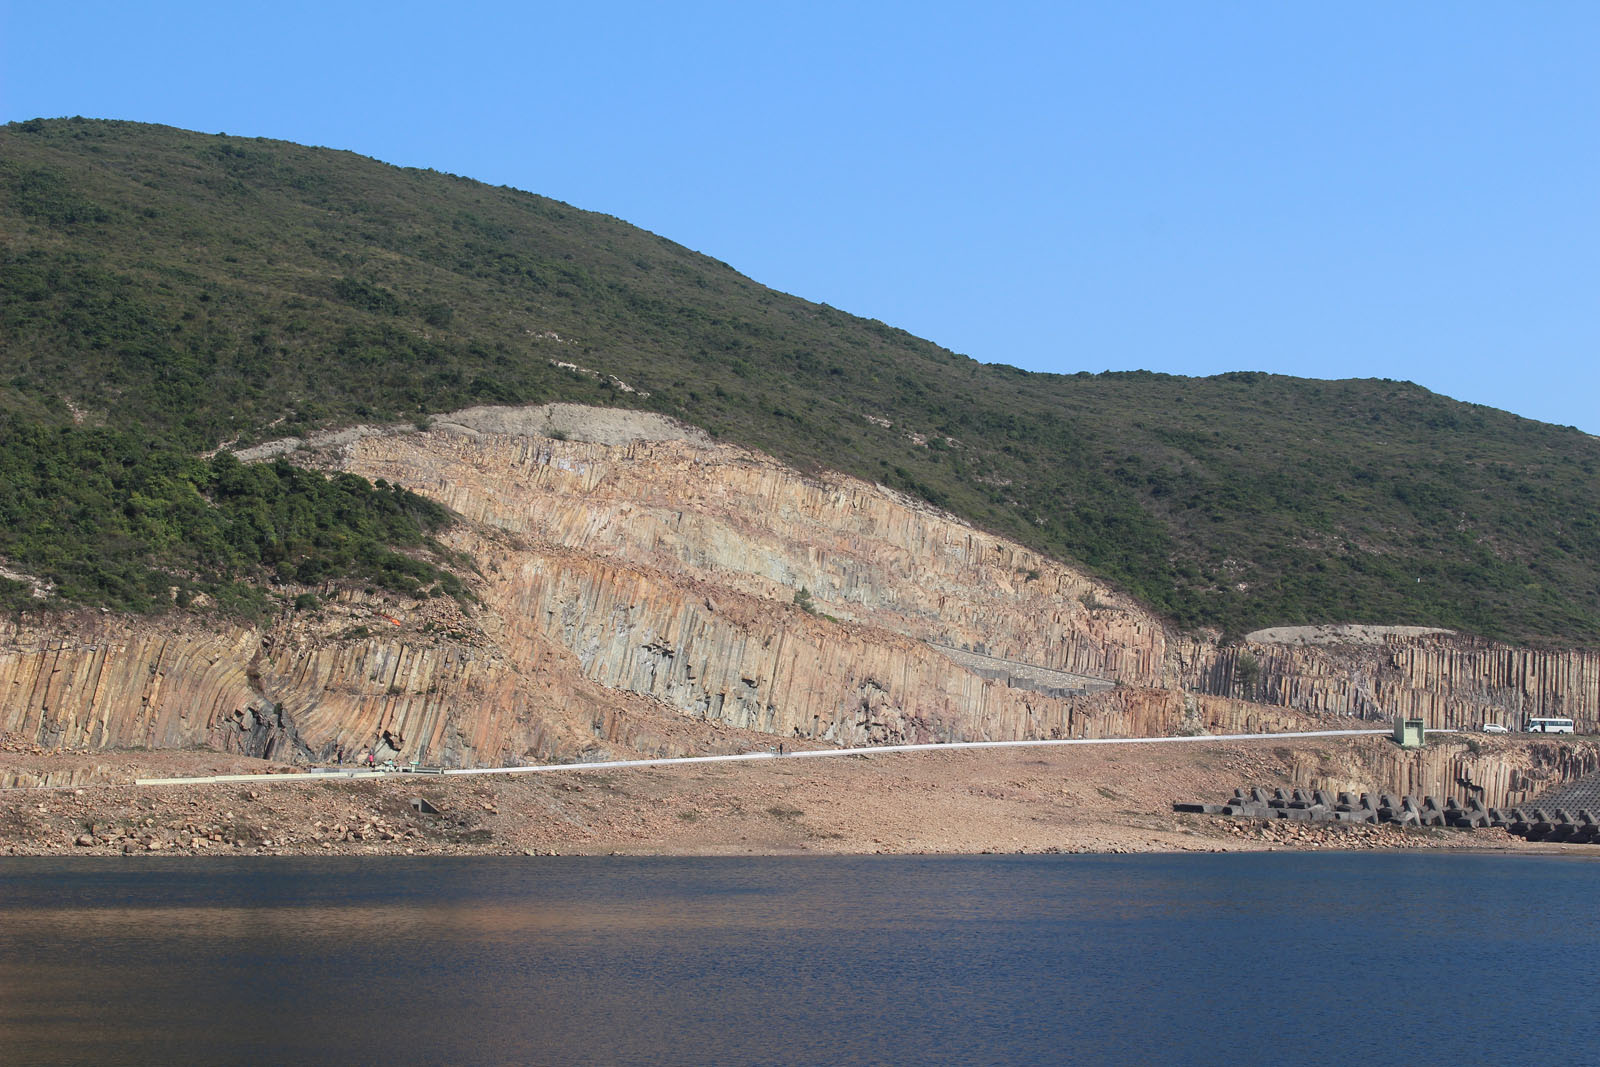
point(1298, 958)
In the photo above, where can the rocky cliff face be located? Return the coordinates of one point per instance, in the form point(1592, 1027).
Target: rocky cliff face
point(636, 577)
point(1498, 774)
point(103, 683)
point(365, 674)
point(1448, 680)
point(738, 521)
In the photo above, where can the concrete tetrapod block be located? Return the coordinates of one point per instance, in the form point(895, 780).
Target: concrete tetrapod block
point(1431, 814)
point(1247, 811)
point(1403, 815)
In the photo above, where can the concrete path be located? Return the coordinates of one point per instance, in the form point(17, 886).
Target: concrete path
point(816, 753)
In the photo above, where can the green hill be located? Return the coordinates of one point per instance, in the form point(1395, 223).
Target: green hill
point(163, 292)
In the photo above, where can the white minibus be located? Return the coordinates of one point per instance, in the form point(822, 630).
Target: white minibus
point(1549, 726)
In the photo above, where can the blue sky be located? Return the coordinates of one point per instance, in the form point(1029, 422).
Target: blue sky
point(1351, 189)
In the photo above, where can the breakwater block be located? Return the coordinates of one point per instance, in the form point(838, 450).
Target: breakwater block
point(1316, 805)
point(1248, 811)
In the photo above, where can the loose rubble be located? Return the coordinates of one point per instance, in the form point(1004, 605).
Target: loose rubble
point(1063, 800)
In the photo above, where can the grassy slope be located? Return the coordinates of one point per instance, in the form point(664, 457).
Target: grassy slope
point(206, 288)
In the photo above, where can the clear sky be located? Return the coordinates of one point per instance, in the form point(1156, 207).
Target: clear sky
point(1327, 189)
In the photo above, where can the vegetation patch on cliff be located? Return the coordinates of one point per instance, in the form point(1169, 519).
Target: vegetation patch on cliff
point(121, 519)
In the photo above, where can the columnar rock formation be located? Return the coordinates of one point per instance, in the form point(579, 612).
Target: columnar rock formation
point(364, 676)
point(1503, 775)
point(368, 675)
point(1448, 680)
point(99, 684)
point(742, 522)
point(633, 573)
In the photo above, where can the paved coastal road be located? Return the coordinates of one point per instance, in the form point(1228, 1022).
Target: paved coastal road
point(815, 753)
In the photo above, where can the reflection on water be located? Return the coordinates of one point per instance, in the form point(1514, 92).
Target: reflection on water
point(1175, 959)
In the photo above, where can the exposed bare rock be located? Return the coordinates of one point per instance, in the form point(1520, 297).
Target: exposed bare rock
point(734, 519)
point(576, 422)
point(1448, 680)
point(1337, 634)
point(306, 689)
point(635, 576)
point(1498, 773)
point(573, 422)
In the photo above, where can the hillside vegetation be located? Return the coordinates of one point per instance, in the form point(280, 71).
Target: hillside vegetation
point(178, 291)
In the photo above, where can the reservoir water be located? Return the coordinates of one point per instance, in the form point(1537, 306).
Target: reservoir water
point(1290, 958)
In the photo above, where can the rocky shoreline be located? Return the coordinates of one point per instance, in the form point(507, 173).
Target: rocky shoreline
point(1012, 801)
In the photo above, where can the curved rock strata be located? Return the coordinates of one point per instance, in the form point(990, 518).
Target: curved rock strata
point(635, 577)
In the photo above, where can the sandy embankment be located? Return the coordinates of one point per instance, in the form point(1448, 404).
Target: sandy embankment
point(1104, 799)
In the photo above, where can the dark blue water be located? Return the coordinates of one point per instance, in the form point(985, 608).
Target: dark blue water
point(1240, 959)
